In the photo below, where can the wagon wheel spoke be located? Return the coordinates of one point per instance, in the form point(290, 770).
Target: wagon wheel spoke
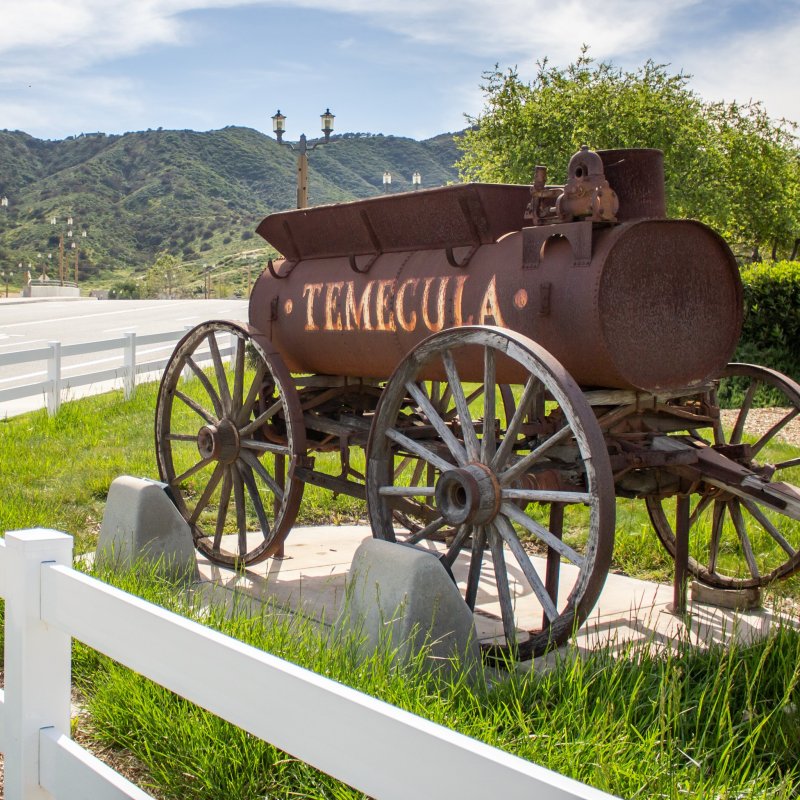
point(470, 438)
point(238, 377)
point(266, 447)
point(241, 510)
point(418, 449)
point(219, 370)
point(540, 532)
point(524, 464)
point(738, 428)
point(773, 431)
point(426, 532)
point(767, 525)
point(252, 395)
point(460, 539)
point(491, 500)
point(469, 400)
point(475, 564)
point(448, 437)
point(215, 478)
point(503, 589)
point(739, 542)
point(553, 566)
point(179, 479)
point(262, 419)
point(700, 508)
point(488, 443)
point(196, 407)
point(241, 461)
point(255, 498)
point(207, 385)
point(504, 452)
point(251, 461)
point(222, 510)
point(716, 535)
point(506, 531)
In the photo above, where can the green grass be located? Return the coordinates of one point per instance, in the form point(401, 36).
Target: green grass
point(652, 723)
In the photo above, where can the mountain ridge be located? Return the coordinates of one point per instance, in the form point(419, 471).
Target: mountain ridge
point(196, 195)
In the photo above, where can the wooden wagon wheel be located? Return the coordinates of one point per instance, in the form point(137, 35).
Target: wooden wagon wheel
point(736, 543)
point(510, 486)
point(228, 437)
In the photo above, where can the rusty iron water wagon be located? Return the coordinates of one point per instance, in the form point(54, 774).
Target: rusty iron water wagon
point(489, 367)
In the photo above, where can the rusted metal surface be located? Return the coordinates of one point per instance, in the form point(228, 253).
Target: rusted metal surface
point(454, 216)
point(637, 176)
point(586, 194)
point(650, 305)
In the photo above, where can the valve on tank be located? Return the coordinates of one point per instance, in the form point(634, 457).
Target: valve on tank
point(586, 194)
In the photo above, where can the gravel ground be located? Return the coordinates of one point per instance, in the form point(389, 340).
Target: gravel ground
point(760, 420)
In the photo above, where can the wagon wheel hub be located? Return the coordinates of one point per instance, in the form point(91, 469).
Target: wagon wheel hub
point(220, 441)
point(468, 495)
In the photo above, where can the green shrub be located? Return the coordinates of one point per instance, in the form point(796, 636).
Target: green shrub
point(771, 332)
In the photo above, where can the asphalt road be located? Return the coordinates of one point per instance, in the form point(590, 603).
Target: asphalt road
point(29, 324)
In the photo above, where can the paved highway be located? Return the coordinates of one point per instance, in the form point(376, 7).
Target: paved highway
point(28, 324)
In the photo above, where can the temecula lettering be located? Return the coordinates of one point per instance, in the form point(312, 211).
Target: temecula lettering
point(388, 305)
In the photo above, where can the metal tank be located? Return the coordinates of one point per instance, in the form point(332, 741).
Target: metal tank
point(591, 270)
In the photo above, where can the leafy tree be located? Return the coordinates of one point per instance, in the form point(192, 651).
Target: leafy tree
point(166, 278)
point(726, 164)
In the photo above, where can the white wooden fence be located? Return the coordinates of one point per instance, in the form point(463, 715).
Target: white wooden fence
point(137, 361)
point(376, 748)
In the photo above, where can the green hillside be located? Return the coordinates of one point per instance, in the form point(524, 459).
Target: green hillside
point(198, 196)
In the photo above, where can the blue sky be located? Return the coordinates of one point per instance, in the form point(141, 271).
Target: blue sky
point(408, 68)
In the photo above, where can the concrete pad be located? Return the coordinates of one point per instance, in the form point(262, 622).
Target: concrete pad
point(312, 580)
point(141, 523)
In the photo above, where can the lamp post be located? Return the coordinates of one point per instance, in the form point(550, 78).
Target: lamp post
point(6, 276)
point(63, 265)
point(302, 149)
point(387, 181)
point(416, 180)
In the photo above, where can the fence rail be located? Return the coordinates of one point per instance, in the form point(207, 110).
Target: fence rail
point(378, 749)
point(61, 378)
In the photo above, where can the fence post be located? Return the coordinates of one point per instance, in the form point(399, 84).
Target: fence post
point(54, 376)
point(187, 372)
point(37, 660)
point(129, 382)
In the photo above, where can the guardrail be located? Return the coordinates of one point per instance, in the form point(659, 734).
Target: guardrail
point(60, 378)
point(376, 748)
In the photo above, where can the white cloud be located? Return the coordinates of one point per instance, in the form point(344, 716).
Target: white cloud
point(753, 65)
point(63, 44)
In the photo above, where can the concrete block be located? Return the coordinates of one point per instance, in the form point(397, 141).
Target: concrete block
point(141, 523)
point(402, 596)
point(735, 599)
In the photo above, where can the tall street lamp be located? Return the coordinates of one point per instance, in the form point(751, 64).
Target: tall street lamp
point(63, 265)
point(302, 149)
point(6, 276)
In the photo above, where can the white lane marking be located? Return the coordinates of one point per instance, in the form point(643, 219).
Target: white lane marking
point(123, 328)
point(27, 343)
point(139, 310)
